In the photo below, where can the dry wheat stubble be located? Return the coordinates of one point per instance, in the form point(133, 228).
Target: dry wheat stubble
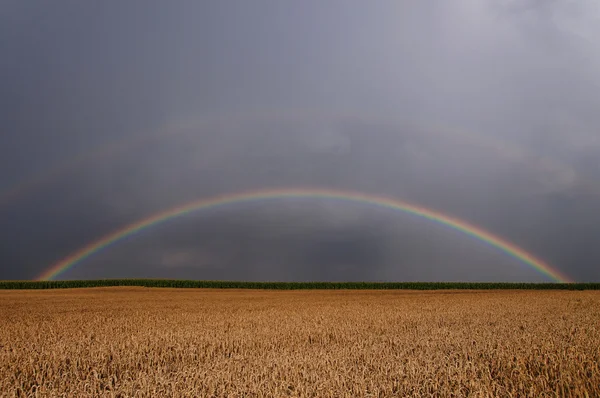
point(188, 342)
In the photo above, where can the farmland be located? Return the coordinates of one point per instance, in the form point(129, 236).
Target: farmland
point(139, 341)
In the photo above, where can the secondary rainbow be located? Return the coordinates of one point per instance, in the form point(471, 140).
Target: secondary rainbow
point(314, 193)
point(171, 130)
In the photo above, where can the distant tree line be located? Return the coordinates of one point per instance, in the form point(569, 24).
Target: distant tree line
point(174, 283)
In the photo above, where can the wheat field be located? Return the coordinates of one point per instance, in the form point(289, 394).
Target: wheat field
point(160, 342)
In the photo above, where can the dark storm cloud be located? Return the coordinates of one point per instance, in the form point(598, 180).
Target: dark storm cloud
point(508, 196)
point(522, 76)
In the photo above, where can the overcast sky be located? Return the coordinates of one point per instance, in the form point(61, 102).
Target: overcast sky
point(486, 110)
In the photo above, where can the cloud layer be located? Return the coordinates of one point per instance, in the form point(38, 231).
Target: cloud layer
point(483, 110)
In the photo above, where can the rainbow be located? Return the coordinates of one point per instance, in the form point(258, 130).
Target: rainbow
point(314, 193)
point(227, 120)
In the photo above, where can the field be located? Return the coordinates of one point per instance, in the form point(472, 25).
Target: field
point(137, 341)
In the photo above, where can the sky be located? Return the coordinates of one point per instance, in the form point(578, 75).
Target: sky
point(483, 110)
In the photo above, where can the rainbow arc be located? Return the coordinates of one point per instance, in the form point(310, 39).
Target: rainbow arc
point(316, 193)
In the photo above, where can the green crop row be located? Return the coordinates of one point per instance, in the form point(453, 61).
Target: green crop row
point(293, 285)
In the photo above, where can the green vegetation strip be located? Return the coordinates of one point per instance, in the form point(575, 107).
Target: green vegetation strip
point(293, 285)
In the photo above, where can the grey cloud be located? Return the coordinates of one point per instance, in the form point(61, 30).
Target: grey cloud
point(484, 110)
point(283, 240)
